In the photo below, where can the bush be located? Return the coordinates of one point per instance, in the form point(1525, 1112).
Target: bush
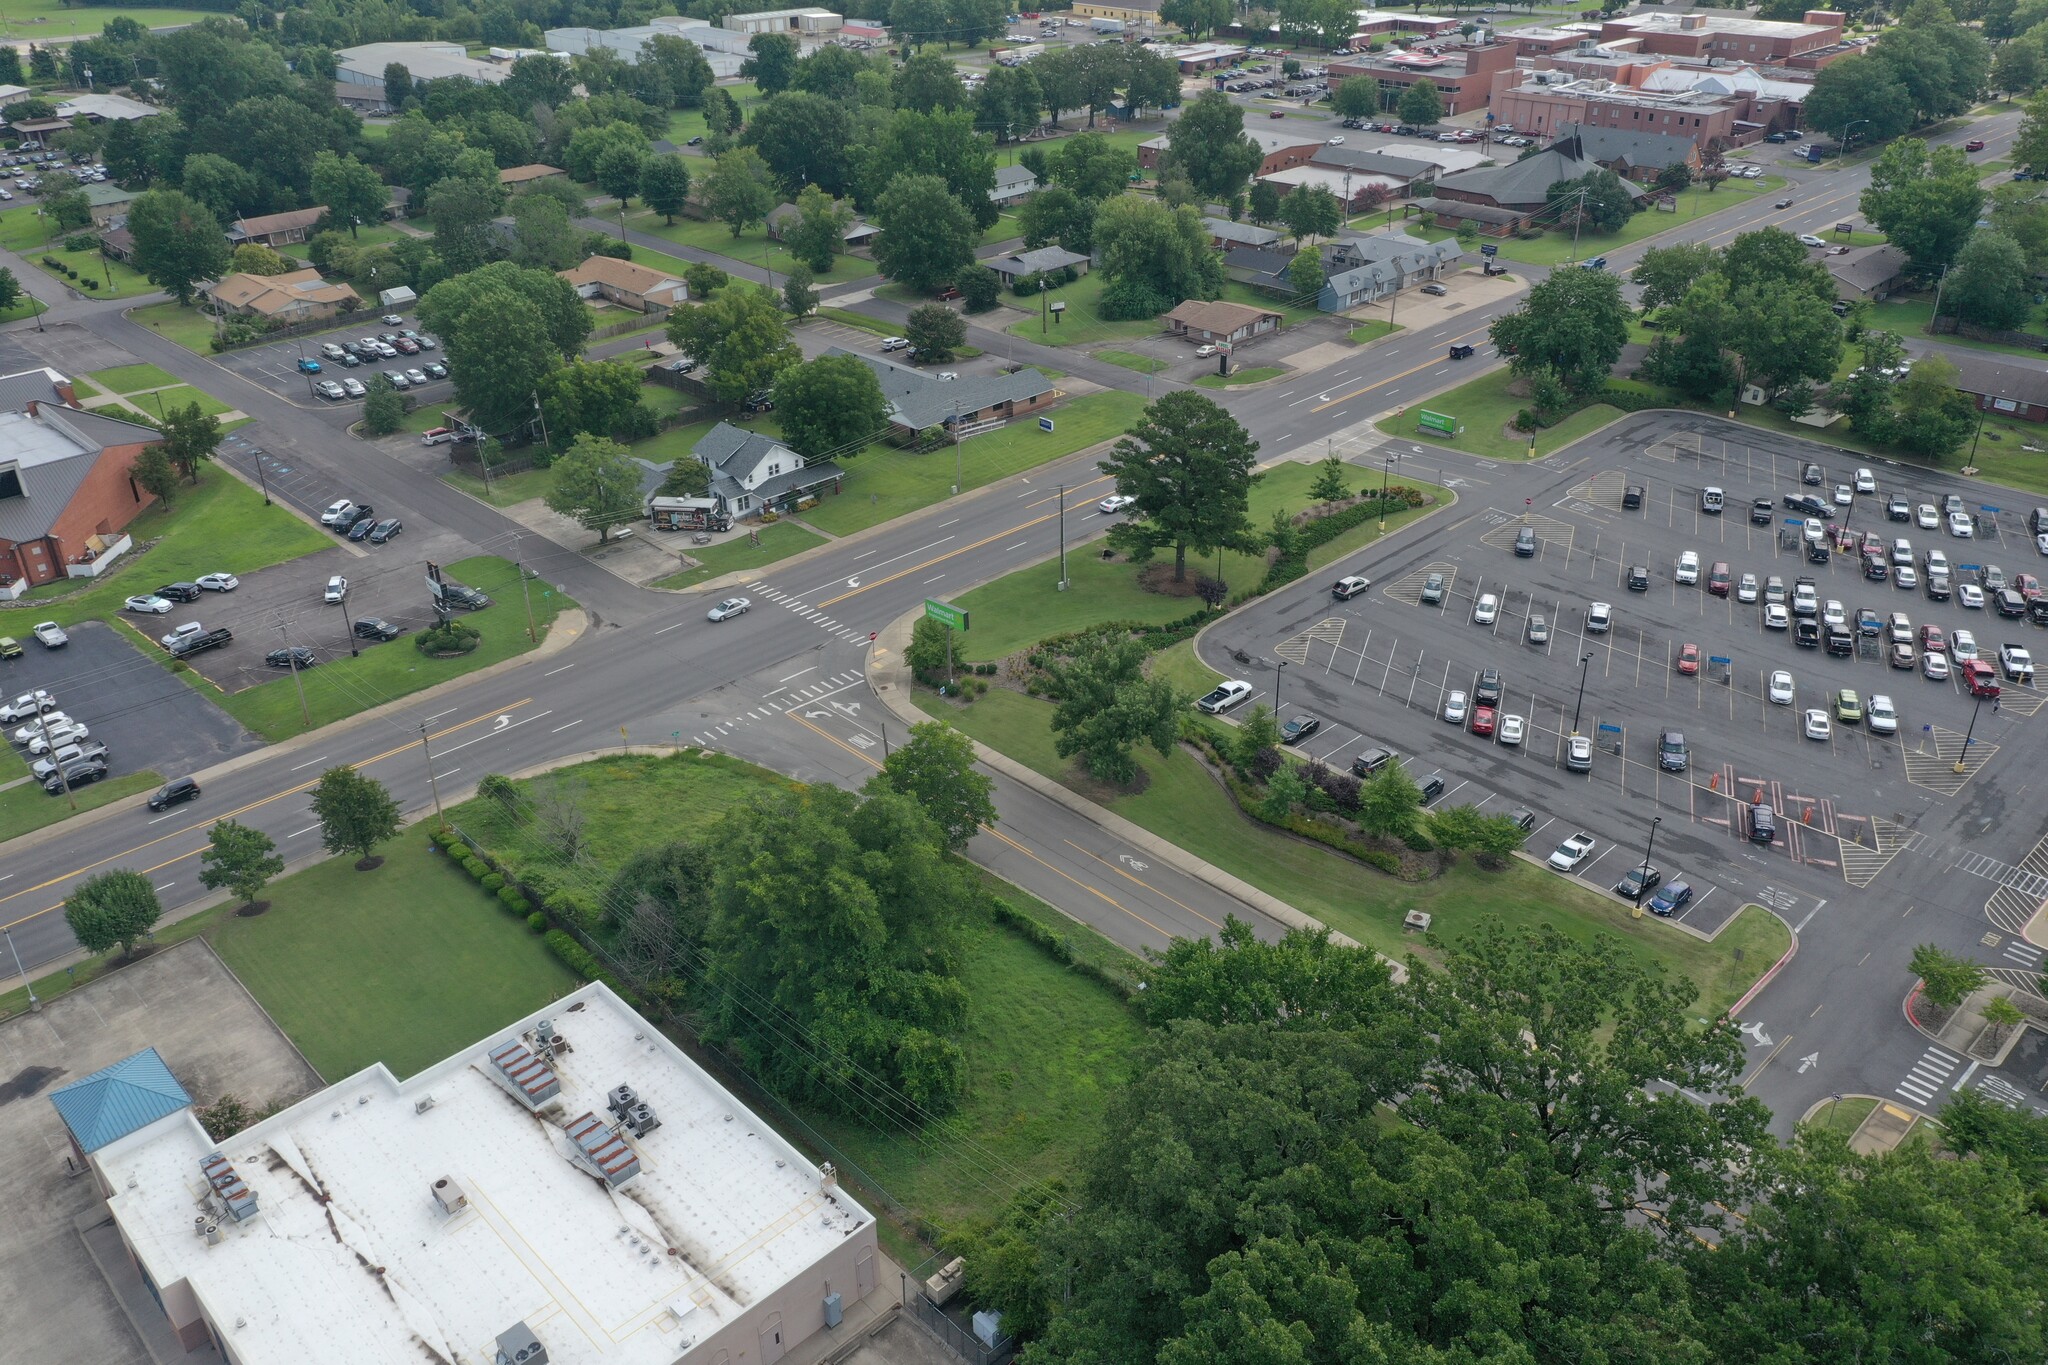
point(513, 899)
point(474, 866)
point(493, 881)
point(82, 241)
point(456, 637)
point(579, 961)
point(537, 922)
point(90, 284)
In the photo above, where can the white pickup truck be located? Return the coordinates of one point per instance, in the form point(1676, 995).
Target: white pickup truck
point(2016, 663)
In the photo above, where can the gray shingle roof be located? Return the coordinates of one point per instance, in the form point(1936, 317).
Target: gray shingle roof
point(1242, 234)
point(1032, 262)
point(49, 482)
point(1626, 144)
point(1524, 183)
point(1373, 163)
point(917, 400)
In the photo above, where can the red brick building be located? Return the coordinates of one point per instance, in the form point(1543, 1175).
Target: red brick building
point(1731, 37)
point(1463, 73)
point(66, 493)
point(1280, 149)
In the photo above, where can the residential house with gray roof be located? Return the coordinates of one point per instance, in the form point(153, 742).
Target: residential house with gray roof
point(968, 405)
point(752, 471)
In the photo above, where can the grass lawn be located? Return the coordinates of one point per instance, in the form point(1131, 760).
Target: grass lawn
point(433, 963)
point(1181, 802)
point(1909, 314)
point(1022, 607)
point(1555, 248)
point(125, 379)
point(35, 20)
point(342, 686)
point(1843, 1116)
point(685, 124)
point(779, 540)
point(752, 247)
point(884, 483)
point(1367, 332)
point(112, 279)
point(1003, 229)
point(188, 327)
point(220, 526)
point(28, 807)
point(1082, 324)
point(1484, 407)
point(158, 402)
point(503, 489)
point(1258, 374)
point(1131, 360)
point(1178, 665)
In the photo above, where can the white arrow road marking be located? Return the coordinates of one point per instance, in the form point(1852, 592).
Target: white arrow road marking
point(1811, 1059)
point(1756, 1031)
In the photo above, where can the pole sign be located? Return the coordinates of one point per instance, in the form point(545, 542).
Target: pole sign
point(1489, 249)
point(1443, 424)
point(953, 618)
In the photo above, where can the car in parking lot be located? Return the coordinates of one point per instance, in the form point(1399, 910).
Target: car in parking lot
point(44, 767)
point(1848, 706)
point(75, 773)
point(1578, 753)
point(2016, 663)
point(1762, 512)
point(308, 365)
point(1781, 688)
point(385, 531)
point(1689, 659)
point(336, 510)
point(1220, 699)
point(1934, 667)
point(1525, 543)
point(360, 531)
point(1961, 526)
point(1962, 646)
point(1572, 851)
point(1672, 755)
point(27, 706)
point(1868, 622)
point(1816, 724)
point(1926, 518)
point(331, 390)
point(1746, 590)
point(1881, 716)
point(1433, 588)
point(355, 517)
point(1483, 720)
point(1456, 704)
point(52, 736)
point(37, 723)
point(149, 604)
point(1371, 761)
point(331, 351)
point(1806, 238)
point(294, 657)
point(1904, 577)
point(1487, 688)
point(435, 370)
point(1349, 586)
point(1431, 788)
point(1901, 655)
point(416, 377)
point(1776, 617)
point(1509, 730)
point(1844, 495)
point(1898, 509)
point(354, 388)
point(1639, 882)
point(1638, 578)
point(1599, 618)
point(335, 591)
point(398, 380)
point(1298, 728)
point(1538, 631)
point(1813, 476)
point(1866, 482)
point(1671, 899)
point(180, 591)
point(1486, 610)
point(376, 628)
point(49, 635)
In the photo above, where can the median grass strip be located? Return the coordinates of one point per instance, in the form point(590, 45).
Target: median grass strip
point(1180, 801)
point(1019, 608)
point(1131, 360)
point(779, 540)
point(126, 379)
point(188, 327)
point(218, 526)
point(27, 807)
point(1483, 409)
point(341, 686)
point(1256, 375)
point(883, 483)
point(403, 965)
point(1368, 332)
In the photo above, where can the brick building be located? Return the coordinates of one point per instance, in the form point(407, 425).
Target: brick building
point(1732, 36)
point(65, 489)
point(1548, 102)
point(1279, 149)
point(1463, 73)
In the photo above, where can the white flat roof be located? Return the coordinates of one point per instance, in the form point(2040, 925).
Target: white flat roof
point(350, 1259)
point(1446, 156)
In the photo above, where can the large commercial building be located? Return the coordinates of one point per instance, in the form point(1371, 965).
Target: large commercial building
point(66, 490)
point(1463, 72)
point(1733, 36)
point(573, 1190)
point(364, 66)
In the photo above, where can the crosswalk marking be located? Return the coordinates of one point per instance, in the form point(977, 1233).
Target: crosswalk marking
point(1928, 1075)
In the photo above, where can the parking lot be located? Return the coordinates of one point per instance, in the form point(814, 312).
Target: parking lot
point(1377, 670)
point(148, 718)
point(275, 365)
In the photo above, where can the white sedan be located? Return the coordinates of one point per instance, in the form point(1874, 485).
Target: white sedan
point(1926, 518)
point(1844, 495)
point(1934, 667)
point(1962, 646)
point(1817, 724)
point(1456, 708)
point(1808, 239)
point(1114, 503)
point(218, 582)
point(1776, 617)
point(729, 608)
point(1961, 527)
point(52, 719)
point(1510, 730)
point(1781, 687)
point(1970, 595)
point(1486, 610)
point(148, 603)
point(2041, 542)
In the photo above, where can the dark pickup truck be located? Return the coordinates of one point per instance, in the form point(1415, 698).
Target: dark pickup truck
point(203, 641)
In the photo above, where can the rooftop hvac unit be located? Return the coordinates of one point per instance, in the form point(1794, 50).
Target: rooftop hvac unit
point(450, 1196)
point(621, 1099)
point(517, 1345)
point(640, 1120)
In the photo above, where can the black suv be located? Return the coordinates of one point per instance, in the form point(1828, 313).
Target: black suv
point(1486, 691)
point(1371, 761)
point(376, 628)
point(1461, 351)
point(298, 656)
point(1525, 543)
point(1671, 756)
point(464, 598)
point(1638, 578)
point(172, 792)
point(179, 592)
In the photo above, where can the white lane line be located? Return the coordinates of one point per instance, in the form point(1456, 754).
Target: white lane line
point(307, 764)
point(450, 773)
point(666, 629)
point(944, 524)
point(935, 578)
point(570, 726)
point(438, 714)
point(836, 582)
point(563, 669)
point(798, 674)
point(492, 734)
point(1018, 546)
point(297, 832)
point(166, 886)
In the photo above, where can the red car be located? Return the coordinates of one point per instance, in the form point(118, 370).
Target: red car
point(1482, 720)
point(2026, 585)
point(1933, 640)
point(1975, 144)
point(1689, 659)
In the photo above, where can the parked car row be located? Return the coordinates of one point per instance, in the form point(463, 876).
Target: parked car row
point(63, 752)
point(360, 522)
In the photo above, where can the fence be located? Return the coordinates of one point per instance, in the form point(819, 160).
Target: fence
point(958, 1339)
point(655, 316)
point(1995, 335)
point(301, 329)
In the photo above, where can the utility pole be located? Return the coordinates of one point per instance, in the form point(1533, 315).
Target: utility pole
point(43, 724)
point(1385, 470)
point(33, 1003)
point(432, 785)
point(1063, 537)
point(292, 660)
point(524, 590)
point(1646, 860)
point(350, 627)
point(1042, 282)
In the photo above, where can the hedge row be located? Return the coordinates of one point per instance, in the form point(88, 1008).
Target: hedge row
point(1060, 949)
point(1248, 801)
point(1323, 530)
point(520, 902)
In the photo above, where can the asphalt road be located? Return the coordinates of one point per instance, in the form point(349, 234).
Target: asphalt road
point(652, 667)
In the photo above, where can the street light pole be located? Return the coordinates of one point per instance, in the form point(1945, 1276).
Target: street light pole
point(432, 784)
point(1386, 469)
point(1646, 852)
point(1063, 537)
point(1963, 757)
point(1579, 705)
point(33, 1003)
point(1276, 685)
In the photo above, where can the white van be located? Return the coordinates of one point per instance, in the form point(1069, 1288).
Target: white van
point(1688, 570)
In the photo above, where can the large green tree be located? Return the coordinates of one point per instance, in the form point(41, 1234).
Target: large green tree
point(597, 483)
point(665, 185)
point(935, 332)
point(1989, 283)
point(461, 209)
point(504, 326)
point(1106, 706)
point(1190, 467)
point(1665, 273)
point(1207, 144)
point(356, 814)
point(1420, 104)
point(191, 434)
point(238, 859)
point(739, 191)
point(927, 236)
point(740, 336)
point(352, 192)
point(1858, 98)
point(935, 768)
point(177, 241)
point(805, 139)
point(942, 144)
point(1931, 417)
point(773, 63)
point(832, 952)
point(1153, 257)
point(1092, 166)
point(1573, 324)
point(112, 909)
point(1598, 201)
point(818, 233)
point(581, 396)
point(1926, 200)
point(1196, 18)
point(830, 408)
point(1311, 211)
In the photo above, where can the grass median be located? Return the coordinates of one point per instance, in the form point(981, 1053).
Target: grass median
point(186, 326)
point(1180, 801)
point(779, 540)
point(1483, 409)
point(342, 686)
point(27, 807)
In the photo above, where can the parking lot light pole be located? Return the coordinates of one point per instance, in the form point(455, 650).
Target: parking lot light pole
point(33, 1003)
point(1276, 685)
point(1579, 706)
point(1386, 469)
point(1646, 853)
point(1962, 758)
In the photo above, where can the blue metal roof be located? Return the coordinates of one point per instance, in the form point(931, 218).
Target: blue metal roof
point(115, 1101)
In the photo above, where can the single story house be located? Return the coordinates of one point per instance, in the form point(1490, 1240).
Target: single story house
point(967, 406)
point(1354, 189)
point(1014, 184)
point(276, 229)
point(1407, 171)
point(1224, 234)
point(95, 107)
point(513, 176)
point(751, 471)
point(1632, 155)
point(1867, 272)
point(117, 244)
point(295, 296)
point(66, 491)
point(1411, 260)
point(2000, 384)
point(858, 233)
point(109, 202)
point(1521, 185)
point(397, 202)
point(1261, 267)
point(627, 283)
point(1217, 322)
point(1018, 264)
point(1484, 218)
point(1277, 150)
